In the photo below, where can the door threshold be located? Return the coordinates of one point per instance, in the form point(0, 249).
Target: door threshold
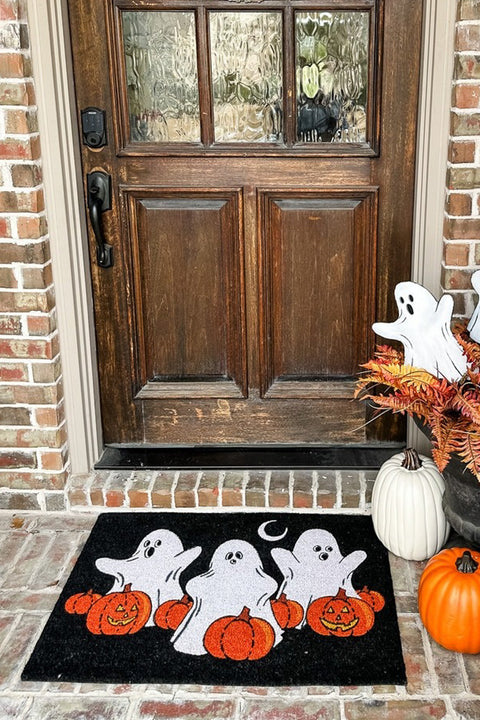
point(245, 457)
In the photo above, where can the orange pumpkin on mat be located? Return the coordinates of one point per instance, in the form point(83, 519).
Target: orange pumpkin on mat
point(288, 613)
point(172, 612)
point(119, 613)
point(239, 638)
point(449, 599)
point(340, 616)
point(80, 603)
point(373, 598)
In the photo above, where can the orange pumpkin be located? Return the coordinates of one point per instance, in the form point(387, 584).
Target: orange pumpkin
point(80, 603)
point(170, 614)
point(373, 598)
point(340, 616)
point(449, 599)
point(239, 638)
point(288, 613)
point(119, 613)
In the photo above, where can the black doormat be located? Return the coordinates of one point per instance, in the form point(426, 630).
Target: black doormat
point(244, 457)
point(235, 586)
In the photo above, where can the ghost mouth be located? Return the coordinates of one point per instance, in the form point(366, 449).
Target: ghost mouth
point(122, 621)
point(323, 556)
point(344, 627)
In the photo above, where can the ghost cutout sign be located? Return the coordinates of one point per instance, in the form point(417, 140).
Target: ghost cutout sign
point(316, 568)
point(473, 326)
point(235, 580)
point(154, 568)
point(423, 326)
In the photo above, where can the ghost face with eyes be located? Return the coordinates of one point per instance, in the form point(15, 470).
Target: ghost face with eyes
point(235, 579)
point(423, 327)
point(316, 568)
point(154, 568)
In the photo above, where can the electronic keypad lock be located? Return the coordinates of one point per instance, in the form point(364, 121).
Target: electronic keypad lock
point(93, 127)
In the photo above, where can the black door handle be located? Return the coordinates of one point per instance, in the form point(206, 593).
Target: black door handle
point(99, 191)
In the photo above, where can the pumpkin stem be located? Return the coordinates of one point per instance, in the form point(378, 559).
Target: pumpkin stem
point(341, 594)
point(411, 461)
point(466, 564)
point(127, 588)
point(245, 614)
point(282, 598)
point(185, 599)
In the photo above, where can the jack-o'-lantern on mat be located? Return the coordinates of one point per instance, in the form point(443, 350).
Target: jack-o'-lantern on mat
point(119, 613)
point(341, 616)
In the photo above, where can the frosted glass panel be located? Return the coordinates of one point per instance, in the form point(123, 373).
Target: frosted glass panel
point(246, 61)
point(331, 76)
point(161, 69)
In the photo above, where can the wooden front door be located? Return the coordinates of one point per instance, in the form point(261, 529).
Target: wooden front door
point(261, 164)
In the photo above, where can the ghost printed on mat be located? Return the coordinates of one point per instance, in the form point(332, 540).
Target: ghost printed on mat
point(316, 568)
point(234, 580)
point(154, 568)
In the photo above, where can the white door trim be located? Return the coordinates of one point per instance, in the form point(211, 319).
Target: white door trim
point(50, 46)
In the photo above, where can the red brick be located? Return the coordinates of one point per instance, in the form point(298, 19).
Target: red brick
point(26, 175)
point(279, 489)
point(232, 490)
point(462, 229)
point(468, 10)
point(13, 372)
point(465, 123)
point(463, 178)
point(456, 254)
point(37, 253)
point(15, 149)
point(208, 491)
point(162, 489)
point(462, 152)
point(255, 495)
point(15, 416)
point(15, 201)
point(7, 278)
point(31, 227)
point(184, 709)
point(27, 348)
point(5, 231)
point(302, 489)
point(456, 279)
point(292, 709)
point(466, 96)
point(8, 10)
point(10, 325)
point(467, 37)
point(12, 65)
point(21, 121)
point(49, 417)
point(40, 324)
point(467, 67)
point(459, 204)
point(184, 491)
point(13, 93)
point(396, 710)
point(52, 460)
point(37, 278)
point(12, 459)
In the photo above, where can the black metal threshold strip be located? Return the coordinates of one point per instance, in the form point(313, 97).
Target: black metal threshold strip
point(268, 457)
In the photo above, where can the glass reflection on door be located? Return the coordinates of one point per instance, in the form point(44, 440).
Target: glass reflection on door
point(332, 50)
point(246, 66)
point(161, 72)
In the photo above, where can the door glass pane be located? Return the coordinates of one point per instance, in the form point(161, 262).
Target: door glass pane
point(331, 76)
point(246, 63)
point(161, 70)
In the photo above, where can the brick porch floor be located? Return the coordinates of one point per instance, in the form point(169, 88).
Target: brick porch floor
point(39, 549)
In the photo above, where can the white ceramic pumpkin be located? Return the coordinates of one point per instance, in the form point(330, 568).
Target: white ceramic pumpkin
point(407, 509)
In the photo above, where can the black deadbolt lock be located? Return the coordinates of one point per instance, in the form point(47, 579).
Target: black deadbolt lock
point(93, 127)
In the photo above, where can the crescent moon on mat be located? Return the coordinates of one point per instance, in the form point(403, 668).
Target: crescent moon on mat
point(262, 531)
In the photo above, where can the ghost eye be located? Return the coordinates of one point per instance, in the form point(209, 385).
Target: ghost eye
point(120, 608)
point(158, 543)
point(410, 297)
point(317, 548)
point(146, 543)
point(239, 555)
point(402, 300)
point(328, 548)
point(229, 556)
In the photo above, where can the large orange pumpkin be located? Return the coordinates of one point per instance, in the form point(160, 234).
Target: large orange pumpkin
point(373, 598)
point(119, 613)
point(170, 614)
point(80, 603)
point(239, 637)
point(449, 599)
point(340, 616)
point(288, 613)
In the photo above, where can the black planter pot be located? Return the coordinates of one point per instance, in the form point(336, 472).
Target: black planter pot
point(461, 501)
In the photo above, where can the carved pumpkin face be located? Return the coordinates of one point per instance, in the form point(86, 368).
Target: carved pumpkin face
point(119, 613)
point(340, 616)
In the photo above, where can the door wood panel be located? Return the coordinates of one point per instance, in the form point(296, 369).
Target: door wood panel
point(187, 262)
point(247, 275)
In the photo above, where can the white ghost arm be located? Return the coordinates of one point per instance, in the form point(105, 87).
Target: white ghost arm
point(186, 557)
point(116, 568)
point(286, 561)
point(473, 326)
point(350, 562)
point(423, 327)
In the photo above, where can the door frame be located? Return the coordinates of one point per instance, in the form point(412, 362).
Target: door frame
point(51, 57)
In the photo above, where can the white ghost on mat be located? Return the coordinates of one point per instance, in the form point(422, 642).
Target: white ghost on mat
point(154, 568)
point(235, 579)
point(316, 568)
point(474, 324)
point(423, 326)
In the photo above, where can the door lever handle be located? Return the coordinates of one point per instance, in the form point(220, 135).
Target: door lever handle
point(99, 193)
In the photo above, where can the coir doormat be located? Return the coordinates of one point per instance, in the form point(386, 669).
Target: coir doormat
point(225, 599)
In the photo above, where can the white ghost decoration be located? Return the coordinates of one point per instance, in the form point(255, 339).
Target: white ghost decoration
point(423, 326)
point(154, 568)
point(473, 326)
point(235, 579)
point(316, 568)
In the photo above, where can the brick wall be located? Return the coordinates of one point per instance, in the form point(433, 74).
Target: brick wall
point(32, 427)
point(462, 211)
point(33, 448)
